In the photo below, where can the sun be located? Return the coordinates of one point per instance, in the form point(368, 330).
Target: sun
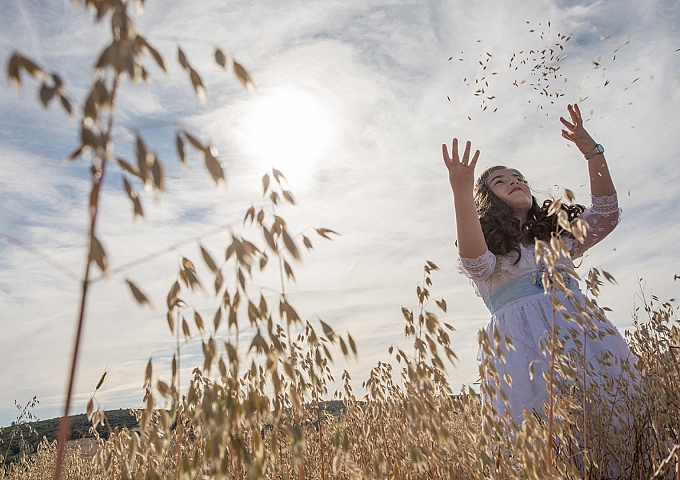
point(289, 130)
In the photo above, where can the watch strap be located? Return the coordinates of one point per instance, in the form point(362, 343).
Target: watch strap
point(598, 149)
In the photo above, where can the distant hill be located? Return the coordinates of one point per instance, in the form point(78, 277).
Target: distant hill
point(80, 428)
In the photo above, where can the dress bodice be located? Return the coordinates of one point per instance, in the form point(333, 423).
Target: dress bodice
point(488, 271)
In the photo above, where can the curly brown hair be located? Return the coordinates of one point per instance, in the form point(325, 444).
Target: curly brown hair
point(502, 230)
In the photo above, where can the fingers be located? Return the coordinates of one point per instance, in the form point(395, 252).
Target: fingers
point(454, 150)
point(567, 124)
point(466, 154)
point(453, 159)
point(575, 115)
point(445, 155)
point(568, 136)
point(473, 163)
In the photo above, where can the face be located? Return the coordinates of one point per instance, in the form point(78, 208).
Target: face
point(511, 187)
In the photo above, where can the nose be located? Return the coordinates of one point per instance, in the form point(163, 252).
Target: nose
point(514, 181)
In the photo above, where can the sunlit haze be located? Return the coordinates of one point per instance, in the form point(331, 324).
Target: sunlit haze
point(289, 130)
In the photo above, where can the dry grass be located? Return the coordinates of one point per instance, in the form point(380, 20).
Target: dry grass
point(252, 408)
point(410, 424)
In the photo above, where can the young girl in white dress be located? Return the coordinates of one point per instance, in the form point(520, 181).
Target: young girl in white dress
point(498, 221)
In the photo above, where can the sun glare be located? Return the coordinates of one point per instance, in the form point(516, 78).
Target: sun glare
point(289, 130)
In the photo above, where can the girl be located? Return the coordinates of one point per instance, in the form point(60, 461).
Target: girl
point(497, 222)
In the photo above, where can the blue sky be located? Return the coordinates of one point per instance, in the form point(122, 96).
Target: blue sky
point(353, 100)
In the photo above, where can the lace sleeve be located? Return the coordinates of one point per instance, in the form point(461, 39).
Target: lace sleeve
point(479, 268)
point(603, 216)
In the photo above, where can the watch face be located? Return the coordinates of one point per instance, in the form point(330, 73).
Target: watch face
point(598, 149)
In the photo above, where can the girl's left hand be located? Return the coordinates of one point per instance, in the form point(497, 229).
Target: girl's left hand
point(575, 132)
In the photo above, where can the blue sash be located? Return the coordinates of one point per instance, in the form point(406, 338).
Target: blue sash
point(528, 284)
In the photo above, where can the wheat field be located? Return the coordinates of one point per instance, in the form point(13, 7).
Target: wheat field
point(409, 424)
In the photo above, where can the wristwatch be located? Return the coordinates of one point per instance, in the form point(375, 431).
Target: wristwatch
point(598, 149)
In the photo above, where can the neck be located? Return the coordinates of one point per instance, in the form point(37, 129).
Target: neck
point(522, 217)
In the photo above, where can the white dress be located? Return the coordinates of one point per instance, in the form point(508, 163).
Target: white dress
point(528, 320)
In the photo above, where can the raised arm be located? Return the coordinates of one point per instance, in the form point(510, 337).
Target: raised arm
point(471, 242)
point(603, 215)
point(601, 184)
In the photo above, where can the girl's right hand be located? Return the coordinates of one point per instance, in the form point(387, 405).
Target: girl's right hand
point(461, 171)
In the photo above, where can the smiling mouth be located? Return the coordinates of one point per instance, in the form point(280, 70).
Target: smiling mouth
point(515, 189)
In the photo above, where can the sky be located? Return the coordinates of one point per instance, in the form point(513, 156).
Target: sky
point(352, 102)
